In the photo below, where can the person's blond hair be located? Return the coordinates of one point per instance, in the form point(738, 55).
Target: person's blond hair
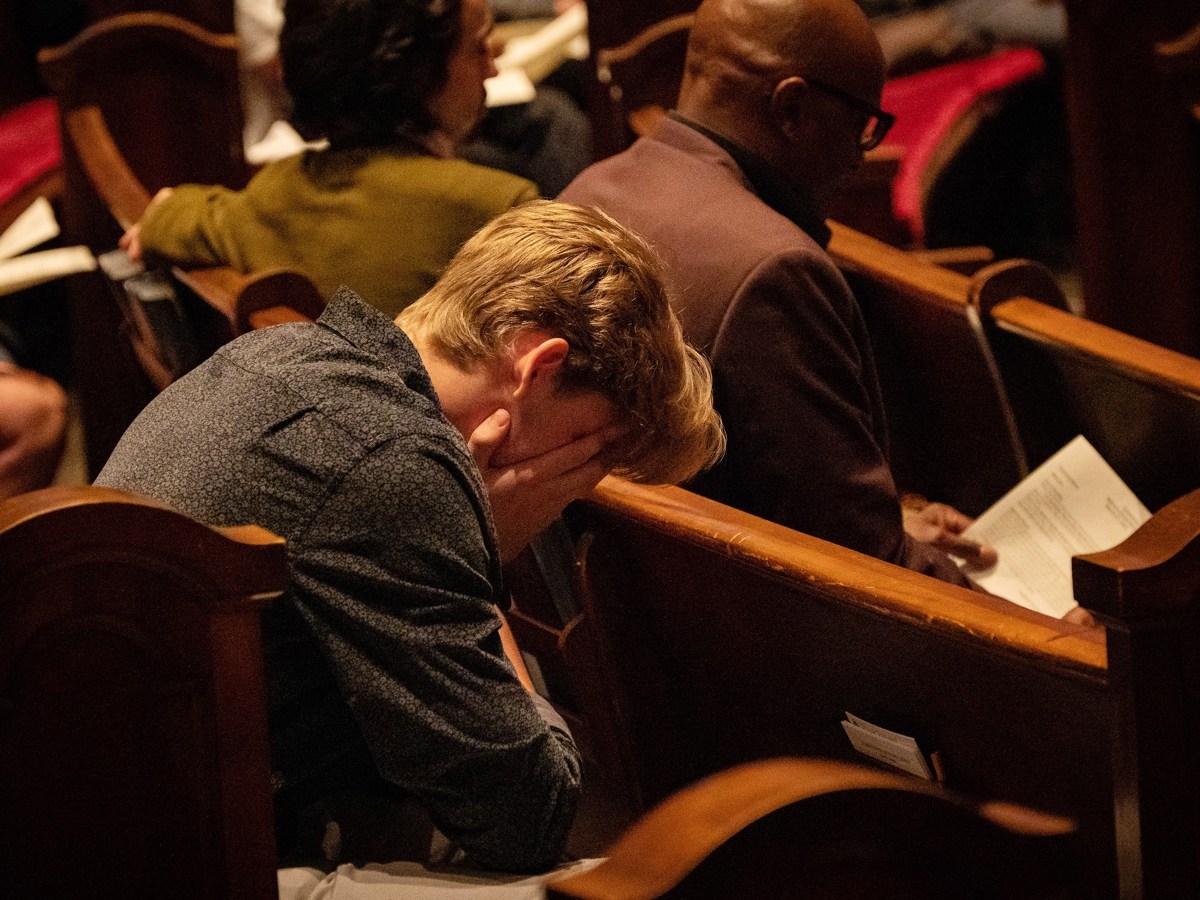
point(577, 274)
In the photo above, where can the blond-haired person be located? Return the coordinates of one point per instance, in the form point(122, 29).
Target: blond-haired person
point(390, 457)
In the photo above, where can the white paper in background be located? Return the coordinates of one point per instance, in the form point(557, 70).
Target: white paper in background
point(280, 142)
point(34, 226)
point(46, 265)
point(888, 747)
point(1071, 504)
point(530, 58)
point(510, 87)
point(543, 51)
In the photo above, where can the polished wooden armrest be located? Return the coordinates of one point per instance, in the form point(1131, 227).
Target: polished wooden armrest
point(669, 842)
point(1147, 564)
point(966, 260)
point(257, 300)
point(1138, 359)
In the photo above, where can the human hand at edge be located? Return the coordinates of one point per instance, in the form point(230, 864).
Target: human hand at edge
point(526, 496)
point(1079, 616)
point(941, 526)
point(131, 240)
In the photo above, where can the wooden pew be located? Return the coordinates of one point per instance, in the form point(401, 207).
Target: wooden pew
point(217, 304)
point(134, 749)
point(784, 828)
point(1138, 403)
point(167, 91)
point(954, 434)
point(986, 375)
point(718, 638)
point(133, 744)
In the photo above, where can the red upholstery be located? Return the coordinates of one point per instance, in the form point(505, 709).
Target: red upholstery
point(929, 104)
point(29, 146)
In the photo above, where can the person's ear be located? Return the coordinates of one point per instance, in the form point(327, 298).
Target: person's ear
point(787, 100)
point(537, 364)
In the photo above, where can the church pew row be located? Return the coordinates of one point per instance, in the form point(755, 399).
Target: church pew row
point(211, 305)
point(133, 738)
point(707, 638)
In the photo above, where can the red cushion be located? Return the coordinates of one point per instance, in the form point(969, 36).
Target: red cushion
point(29, 145)
point(928, 103)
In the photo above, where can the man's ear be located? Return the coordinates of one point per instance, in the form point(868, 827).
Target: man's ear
point(537, 362)
point(786, 101)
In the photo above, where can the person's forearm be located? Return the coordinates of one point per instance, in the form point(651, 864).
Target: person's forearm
point(531, 814)
point(179, 229)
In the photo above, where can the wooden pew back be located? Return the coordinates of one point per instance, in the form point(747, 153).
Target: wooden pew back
point(986, 375)
point(167, 90)
point(133, 741)
point(1138, 403)
point(722, 638)
point(213, 304)
point(953, 432)
point(637, 52)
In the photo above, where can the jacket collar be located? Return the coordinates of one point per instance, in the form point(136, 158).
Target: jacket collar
point(768, 183)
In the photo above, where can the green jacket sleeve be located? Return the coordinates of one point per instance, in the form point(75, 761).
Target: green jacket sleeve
point(191, 227)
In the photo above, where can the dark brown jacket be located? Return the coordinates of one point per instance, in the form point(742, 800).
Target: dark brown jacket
point(794, 376)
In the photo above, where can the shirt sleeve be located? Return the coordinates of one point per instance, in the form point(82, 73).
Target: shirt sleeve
point(393, 577)
point(803, 414)
point(190, 227)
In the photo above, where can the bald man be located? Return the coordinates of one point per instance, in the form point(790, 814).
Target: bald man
point(779, 101)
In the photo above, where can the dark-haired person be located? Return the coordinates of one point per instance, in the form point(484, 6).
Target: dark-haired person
point(401, 464)
point(394, 87)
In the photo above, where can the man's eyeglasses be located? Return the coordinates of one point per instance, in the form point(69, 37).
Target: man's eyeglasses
point(876, 122)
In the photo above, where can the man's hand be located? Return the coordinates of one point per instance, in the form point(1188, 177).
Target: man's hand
point(1079, 616)
point(942, 526)
point(131, 240)
point(527, 496)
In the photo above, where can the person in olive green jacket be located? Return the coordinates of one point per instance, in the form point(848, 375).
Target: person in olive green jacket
point(393, 88)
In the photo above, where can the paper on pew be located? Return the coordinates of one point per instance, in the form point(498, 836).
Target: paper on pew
point(34, 226)
point(36, 268)
point(528, 59)
point(1073, 503)
point(888, 747)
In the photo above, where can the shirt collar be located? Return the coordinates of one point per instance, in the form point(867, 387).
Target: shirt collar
point(375, 334)
point(769, 184)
